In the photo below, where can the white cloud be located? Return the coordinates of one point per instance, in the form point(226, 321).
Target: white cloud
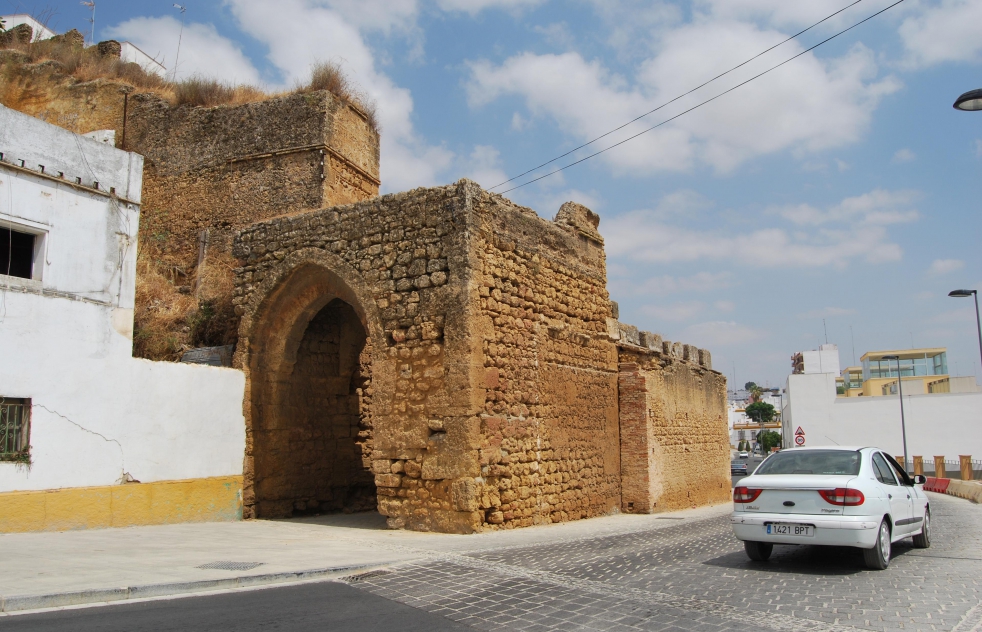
point(547, 203)
point(585, 99)
point(826, 312)
point(878, 207)
point(383, 15)
point(699, 282)
point(519, 123)
point(725, 306)
point(300, 32)
point(203, 50)
point(903, 155)
point(857, 231)
point(720, 334)
point(944, 31)
point(557, 34)
point(781, 13)
point(944, 266)
point(484, 166)
point(476, 6)
point(675, 312)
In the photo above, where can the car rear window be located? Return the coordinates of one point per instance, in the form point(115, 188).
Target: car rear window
point(819, 462)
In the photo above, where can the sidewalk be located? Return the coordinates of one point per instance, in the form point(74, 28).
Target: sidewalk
point(47, 570)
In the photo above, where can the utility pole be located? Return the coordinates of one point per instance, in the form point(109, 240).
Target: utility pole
point(91, 5)
point(180, 36)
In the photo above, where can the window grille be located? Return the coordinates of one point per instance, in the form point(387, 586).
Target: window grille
point(15, 428)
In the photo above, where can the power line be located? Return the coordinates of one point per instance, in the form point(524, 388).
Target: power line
point(695, 107)
point(667, 103)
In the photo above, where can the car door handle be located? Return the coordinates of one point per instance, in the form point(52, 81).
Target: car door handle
point(889, 495)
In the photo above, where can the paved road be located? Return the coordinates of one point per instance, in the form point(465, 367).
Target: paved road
point(692, 575)
point(308, 607)
point(752, 464)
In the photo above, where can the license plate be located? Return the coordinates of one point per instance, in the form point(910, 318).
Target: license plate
point(780, 528)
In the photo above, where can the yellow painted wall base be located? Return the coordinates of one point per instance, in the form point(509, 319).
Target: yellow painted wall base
point(129, 505)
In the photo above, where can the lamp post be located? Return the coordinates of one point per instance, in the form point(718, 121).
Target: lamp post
point(971, 101)
point(900, 390)
point(974, 293)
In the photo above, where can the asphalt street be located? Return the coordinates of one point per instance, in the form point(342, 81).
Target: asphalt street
point(752, 464)
point(313, 607)
point(692, 575)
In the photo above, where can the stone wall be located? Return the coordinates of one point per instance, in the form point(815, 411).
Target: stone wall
point(223, 168)
point(403, 264)
point(500, 381)
point(674, 441)
point(549, 430)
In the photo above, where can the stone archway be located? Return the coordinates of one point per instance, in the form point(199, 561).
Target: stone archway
point(309, 423)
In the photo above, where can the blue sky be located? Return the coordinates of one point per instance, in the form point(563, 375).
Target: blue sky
point(842, 186)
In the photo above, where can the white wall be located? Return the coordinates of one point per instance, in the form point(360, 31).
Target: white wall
point(947, 424)
point(130, 53)
point(66, 336)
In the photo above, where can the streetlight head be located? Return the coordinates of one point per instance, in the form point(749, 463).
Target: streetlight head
point(961, 293)
point(971, 101)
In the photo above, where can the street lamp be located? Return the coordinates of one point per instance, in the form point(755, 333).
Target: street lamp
point(900, 389)
point(966, 294)
point(971, 101)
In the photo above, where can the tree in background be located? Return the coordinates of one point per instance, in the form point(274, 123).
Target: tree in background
point(756, 392)
point(749, 385)
point(760, 412)
point(769, 439)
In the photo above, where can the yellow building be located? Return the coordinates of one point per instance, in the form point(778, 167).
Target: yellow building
point(923, 371)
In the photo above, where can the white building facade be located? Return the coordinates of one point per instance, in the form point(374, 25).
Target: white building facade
point(937, 424)
point(80, 418)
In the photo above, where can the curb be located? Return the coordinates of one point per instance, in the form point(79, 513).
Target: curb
point(81, 597)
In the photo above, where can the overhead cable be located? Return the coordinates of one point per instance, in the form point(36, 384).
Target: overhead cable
point(667, 103)
point(695, 107)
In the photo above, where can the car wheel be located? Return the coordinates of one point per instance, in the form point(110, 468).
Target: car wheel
point(758, 551)
point(878, 557)
point(923, 539)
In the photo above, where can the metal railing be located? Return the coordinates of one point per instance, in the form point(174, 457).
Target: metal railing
point(15, 427)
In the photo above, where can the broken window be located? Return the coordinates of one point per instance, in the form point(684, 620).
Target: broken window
point(17, 253)
point(15, 428)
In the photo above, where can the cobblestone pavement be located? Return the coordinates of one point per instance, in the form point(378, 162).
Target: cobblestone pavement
point(695, 576)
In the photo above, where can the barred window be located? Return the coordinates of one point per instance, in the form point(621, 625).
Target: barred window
point(15, 428)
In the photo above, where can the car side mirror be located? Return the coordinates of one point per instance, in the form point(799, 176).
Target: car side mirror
point(919, 479)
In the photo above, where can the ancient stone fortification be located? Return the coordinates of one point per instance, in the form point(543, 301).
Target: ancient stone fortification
point(208, 172)
point(483, 376)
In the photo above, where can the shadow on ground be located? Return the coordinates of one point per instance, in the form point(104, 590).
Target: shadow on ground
point(807, 560)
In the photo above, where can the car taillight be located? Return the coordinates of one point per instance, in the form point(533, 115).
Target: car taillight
point(843, 496)
point(745, 495)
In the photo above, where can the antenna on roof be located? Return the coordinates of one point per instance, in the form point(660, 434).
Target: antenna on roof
point(826, 331)
point(180, 36)
point(91, 20)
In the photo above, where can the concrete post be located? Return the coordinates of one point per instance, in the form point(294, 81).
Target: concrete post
point(918, 465)
point(965, 464)
point(939, 467)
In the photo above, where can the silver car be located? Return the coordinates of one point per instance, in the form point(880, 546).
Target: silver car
point(835, 496)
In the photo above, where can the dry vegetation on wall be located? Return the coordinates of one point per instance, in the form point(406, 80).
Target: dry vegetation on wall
point(102, 62)
point(177, 311)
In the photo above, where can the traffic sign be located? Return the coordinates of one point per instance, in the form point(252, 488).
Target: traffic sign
point(799, 440)
point(799, 432)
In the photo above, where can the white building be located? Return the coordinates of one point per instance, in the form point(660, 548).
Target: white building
point(40, 30)
point(80, 418)
point(937, 424)
point(129, 52)
point(823, 360)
